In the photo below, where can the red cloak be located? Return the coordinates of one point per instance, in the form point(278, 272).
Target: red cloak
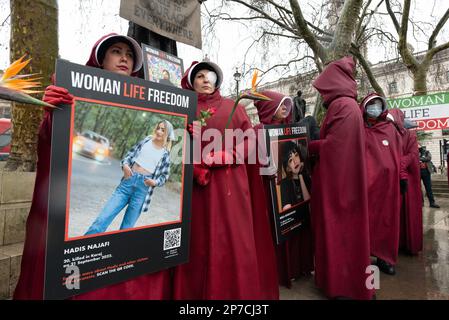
point(383, 161)
point(339, 200)
point(231, 252)
point(411, 231)
point(295, 255)
point(31, 280)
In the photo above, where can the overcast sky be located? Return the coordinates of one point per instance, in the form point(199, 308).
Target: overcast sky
point(81, 23)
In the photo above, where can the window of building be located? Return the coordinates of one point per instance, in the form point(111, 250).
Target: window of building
point(393, 87)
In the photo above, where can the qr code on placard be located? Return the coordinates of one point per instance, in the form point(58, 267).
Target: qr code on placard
point(172, 238)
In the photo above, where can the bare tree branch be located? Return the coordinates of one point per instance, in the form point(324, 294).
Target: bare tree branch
point(283, 64)
point(341, 43)
point(282, 35)
point(359, 28)
point(441, 23)
point(284, 13)
point(409, 60)
point(229, 18)
point(277, 6)
point(283, 17)
point(3, 23)
point(267, 16)
point(305, 32)
point(330, 34)
point(437, 49)
point(392, 15)
point(378, 32)
point(366, 67)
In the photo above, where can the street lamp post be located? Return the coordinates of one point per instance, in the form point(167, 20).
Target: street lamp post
point(237, 77)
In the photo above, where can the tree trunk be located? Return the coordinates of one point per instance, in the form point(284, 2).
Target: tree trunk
point(420, 80)
point(319, 112)
point(341, 43)
point(34, 30)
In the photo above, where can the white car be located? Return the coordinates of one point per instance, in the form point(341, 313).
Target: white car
point(92, 145)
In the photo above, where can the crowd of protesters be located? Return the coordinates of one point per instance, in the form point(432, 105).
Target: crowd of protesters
point(363, 198)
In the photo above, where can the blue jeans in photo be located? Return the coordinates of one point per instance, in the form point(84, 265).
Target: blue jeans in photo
point(131, 192)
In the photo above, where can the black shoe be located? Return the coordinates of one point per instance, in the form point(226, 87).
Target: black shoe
point(385, 267)
point(434, 205)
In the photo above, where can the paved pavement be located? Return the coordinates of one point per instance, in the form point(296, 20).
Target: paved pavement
point(422, 277)
point(93, 182)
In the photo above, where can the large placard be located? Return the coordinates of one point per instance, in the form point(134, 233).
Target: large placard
point(179, 20)
point(105, 226)
point(291, 185)
point(430, 112)
point(162, 67)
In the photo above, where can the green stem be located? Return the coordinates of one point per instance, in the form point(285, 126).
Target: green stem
point(232, 112)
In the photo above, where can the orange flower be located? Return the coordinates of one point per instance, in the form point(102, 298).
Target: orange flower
point(11, 80)
point(16, 88)
point(254, 81)
point(252, 94)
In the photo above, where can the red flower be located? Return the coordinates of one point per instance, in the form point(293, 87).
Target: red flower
point(212, 111)
point(206, 114)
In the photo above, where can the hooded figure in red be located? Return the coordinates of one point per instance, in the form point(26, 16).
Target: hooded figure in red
point(267, 110)
point(383, 164)
point(411, 230)
point(31, 280)
point(339, 203)
point(295, 255)
point(231, 252)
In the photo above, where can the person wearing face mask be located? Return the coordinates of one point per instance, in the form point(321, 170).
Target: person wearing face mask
point(383, 163)
point(231, 254)
point(294, 255)
point(339, 203)
point(114, 53)
point(373, 111)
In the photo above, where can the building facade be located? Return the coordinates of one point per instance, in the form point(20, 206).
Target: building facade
point(393, 77)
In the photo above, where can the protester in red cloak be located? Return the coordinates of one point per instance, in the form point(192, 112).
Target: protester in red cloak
point(383, 164)
point(231, 253)
point(411, 231)
point(339, 203)
point(31, 280)
point(295, 255)
point(276, 111)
